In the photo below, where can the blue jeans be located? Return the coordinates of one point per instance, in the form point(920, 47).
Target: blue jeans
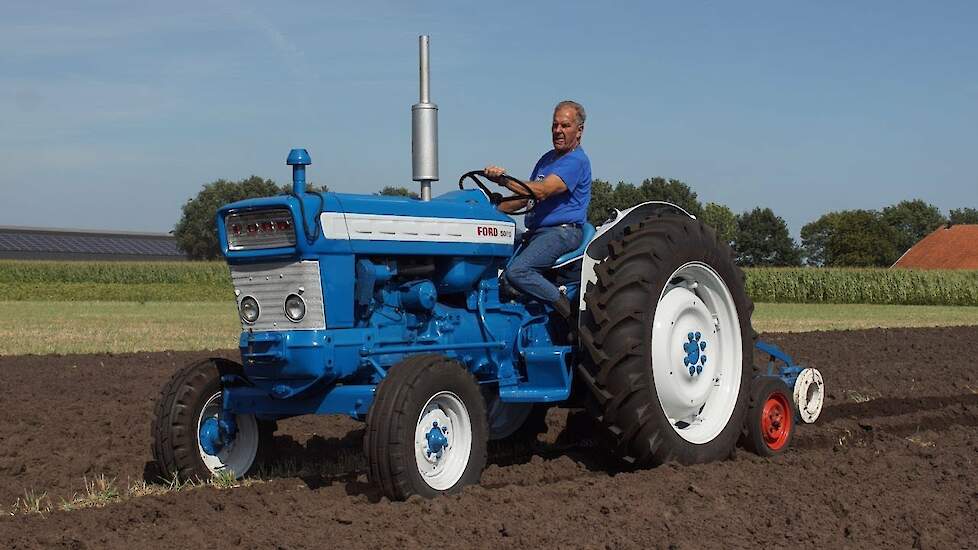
point(541, 247)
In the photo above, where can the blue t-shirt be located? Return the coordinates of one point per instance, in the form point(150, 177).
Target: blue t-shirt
point(574, 168)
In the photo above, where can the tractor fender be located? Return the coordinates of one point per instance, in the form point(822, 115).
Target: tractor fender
point(597, 250)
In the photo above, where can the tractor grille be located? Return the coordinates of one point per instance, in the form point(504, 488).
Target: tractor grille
point(259, 229)
point(270, 284)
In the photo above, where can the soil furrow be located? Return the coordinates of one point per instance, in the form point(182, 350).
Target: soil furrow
point(892, 461)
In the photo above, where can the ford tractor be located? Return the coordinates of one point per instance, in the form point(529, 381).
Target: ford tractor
point(391, 310)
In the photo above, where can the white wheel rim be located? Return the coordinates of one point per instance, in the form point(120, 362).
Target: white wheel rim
point(697, 302)
point(238, 455)
point(809, 394)
point(442, 463)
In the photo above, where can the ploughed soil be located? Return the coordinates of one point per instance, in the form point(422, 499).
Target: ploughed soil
point(893, 461)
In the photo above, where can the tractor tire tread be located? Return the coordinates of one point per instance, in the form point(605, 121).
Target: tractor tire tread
point(619, 382)
point(386, 433)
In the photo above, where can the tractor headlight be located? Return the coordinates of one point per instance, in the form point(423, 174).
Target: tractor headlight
point(295, 308)
point(248, 309)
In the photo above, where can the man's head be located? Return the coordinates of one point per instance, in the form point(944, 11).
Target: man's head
point(568, 126)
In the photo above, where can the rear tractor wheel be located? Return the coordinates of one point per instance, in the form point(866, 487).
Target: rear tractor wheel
point(191, 441)
point(426, 430)
point(669, 343)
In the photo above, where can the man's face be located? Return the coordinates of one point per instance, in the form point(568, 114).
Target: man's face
point(565, 130)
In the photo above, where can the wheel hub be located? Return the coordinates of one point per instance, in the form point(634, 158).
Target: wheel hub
point(436, 440)
point(689, 372)
point(434, 437)
point(210, 437)
point(226, 441)
point(217, 435)
point(695, 358)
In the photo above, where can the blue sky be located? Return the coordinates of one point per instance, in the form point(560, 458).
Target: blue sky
point(113, 114)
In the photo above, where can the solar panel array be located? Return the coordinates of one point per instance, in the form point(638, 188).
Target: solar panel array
point(16, 241)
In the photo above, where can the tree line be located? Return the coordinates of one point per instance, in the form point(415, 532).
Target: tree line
point(759, 237)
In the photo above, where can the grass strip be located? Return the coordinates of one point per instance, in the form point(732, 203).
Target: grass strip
point(809, 317)
point(116, 292)
point(116, 327)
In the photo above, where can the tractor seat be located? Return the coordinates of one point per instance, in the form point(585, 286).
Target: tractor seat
point(587, 233)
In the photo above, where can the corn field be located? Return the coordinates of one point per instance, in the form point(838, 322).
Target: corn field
point(863, 286)
point(210, 281)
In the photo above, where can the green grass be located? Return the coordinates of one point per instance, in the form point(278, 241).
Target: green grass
point(120, 327)
point(116, 292)
point(116, 327)
point(808, 317)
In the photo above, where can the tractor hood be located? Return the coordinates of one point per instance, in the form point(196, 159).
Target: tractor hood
point(458, 223)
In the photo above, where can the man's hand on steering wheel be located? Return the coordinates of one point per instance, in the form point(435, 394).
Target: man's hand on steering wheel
point(498, 175)
point(493, 172)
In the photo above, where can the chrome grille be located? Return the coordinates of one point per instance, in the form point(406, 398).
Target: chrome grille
point(270, 284)
point(257, 229)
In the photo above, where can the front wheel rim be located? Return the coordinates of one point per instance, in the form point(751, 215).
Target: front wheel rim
point(697, 352)
point(239, 454)
point(443, 441)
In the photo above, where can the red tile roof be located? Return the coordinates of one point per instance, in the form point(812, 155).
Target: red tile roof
point(946, 248)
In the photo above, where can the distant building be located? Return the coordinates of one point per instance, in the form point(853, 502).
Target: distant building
point(36, 243)
point(954, 247)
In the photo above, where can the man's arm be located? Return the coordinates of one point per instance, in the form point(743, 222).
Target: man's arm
point(545, 188)
point(511, 206)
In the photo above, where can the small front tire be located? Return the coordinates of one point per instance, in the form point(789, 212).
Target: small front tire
point(187, 410)
point(426, 430)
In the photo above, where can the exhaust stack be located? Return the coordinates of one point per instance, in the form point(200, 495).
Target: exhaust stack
point(424, 129)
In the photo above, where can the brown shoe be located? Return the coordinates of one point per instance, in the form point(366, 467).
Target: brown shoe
point(563, 307)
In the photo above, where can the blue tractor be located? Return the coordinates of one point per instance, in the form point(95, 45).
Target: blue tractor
point(391, 310)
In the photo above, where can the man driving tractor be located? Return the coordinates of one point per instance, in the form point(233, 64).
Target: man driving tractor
point(561, 186)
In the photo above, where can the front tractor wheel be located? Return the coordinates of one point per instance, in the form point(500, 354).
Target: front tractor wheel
point(426, 430)
point(669, 342)
point(190, 440)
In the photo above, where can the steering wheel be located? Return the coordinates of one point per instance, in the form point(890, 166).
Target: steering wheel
point(497, 199)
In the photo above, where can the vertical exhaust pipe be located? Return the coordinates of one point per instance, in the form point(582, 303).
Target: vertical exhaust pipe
point(424, 129)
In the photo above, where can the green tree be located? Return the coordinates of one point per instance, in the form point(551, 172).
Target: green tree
point(671, 190)
point(721, 219)
point(912, 221)
point(850, 238)
point(398, 192)
point(196, 232)
point(815, 238)
point(627, 195)
point(763, 240)
point(602, 202)
point(961, 216)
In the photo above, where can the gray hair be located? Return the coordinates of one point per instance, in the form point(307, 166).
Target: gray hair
point(578, 109)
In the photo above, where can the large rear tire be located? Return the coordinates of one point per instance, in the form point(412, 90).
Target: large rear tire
point(187, 410)
point(426, 430)
point(669, 343)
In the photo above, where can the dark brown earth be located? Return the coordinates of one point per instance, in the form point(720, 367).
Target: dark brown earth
point(893, 462)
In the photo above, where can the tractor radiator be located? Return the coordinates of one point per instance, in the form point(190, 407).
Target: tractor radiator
point(271, 284)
